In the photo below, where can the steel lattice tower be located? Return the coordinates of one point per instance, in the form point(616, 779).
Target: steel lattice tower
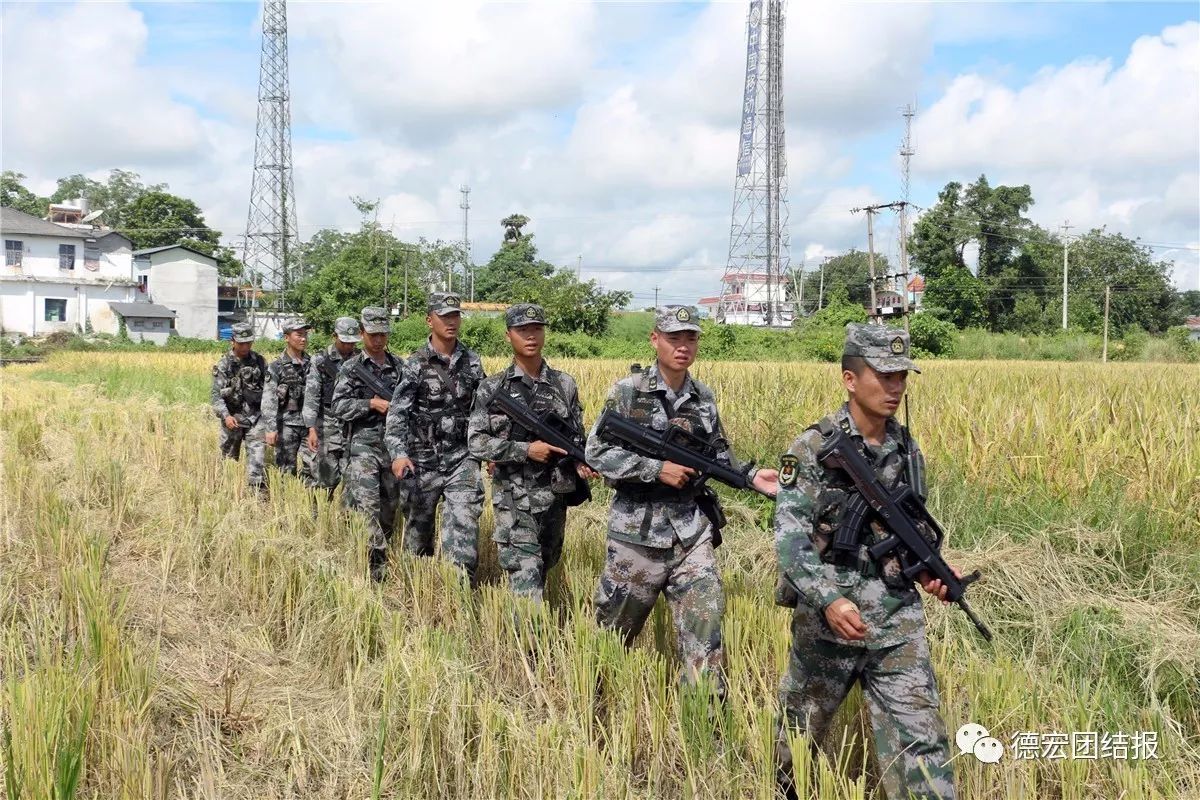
point(271, 222)
point(752, 291)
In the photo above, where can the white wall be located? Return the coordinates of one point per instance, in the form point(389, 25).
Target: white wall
point(23, 305)
point(143, 329)
point(40, 259)
point(186, 284)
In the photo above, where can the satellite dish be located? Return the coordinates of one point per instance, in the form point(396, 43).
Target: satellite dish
point(94, 215)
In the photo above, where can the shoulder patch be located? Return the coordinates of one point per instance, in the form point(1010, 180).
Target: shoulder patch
point(787, 470)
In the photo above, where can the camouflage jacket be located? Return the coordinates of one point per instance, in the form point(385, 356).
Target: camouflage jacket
point(808, 511)
point(352, 398)
point(645, 511)
point(237, 387)
point(518, 482)
point(427, 419)
point(283, 394)
point(319, 383)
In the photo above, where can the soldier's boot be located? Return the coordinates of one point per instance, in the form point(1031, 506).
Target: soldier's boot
point(377, 559)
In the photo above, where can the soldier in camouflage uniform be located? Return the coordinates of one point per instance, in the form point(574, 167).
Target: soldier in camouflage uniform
point(531, 481)
point(370, 487)
point(325, 436)
point(658, 539)
point(282, 418)
point(855, 619)
point(427, 440)
point(237, 391)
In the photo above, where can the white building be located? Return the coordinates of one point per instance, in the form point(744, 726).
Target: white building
point(146, 322)
point(748, 296)
point(61, 277)
point(183, 280)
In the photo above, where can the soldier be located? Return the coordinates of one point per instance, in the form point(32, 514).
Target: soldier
point(427, 439)
point(237, 391)
point(658, 539)
point(283, 402)
point(855, 619)
point(530, 481)
point(325, 436)
point(360, 399)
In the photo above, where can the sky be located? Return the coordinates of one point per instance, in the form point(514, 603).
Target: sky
point(614, 125)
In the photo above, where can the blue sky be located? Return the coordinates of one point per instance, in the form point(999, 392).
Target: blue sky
point(613, 125)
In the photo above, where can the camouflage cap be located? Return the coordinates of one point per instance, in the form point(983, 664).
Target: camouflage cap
point(242, 332)
point(442, 303)
point(884, 349)
point(670, 319)
point(346, 329)
point(295, 325)
point(375, 320)
point(524, 314)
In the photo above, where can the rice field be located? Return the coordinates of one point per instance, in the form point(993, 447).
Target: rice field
point(163, 634)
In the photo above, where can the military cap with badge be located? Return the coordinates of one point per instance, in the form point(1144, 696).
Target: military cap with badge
point(670, 319)
point(375, 320)
point(524, 314)
point(443, 303)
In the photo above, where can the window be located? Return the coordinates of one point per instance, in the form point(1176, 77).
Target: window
point(13, 250)
point(156, 323)
point(91, 256)
point(56, 309)
point(143, 283)
point(66, 256)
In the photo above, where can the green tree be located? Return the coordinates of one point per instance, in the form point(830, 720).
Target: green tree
point(849, 272)
point(115, 196)
point(158, 219)
point(958, 297)
point(13, 194)
point(1142, 295)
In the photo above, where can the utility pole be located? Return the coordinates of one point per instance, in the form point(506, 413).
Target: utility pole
point(408, 258)
point(907, 151)
point(465, 205)
point(1107, 295)
point(1066, 249)
point(656, 297)
point(799, 285)
point(897, 205)
point(579, 266)
point(821, 290)
point(387, 263)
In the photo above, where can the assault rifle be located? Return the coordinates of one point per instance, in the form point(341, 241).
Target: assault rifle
point(552, 429)
point(900, 510)
point(684, 448)
point(371, 382)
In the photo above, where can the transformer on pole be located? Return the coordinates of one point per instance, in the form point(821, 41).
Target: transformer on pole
point(753, 288)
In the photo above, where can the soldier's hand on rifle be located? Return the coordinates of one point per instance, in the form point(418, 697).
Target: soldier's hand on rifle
point(767, 481)
point(675, 475)
point(936, 587)
point(271, 438)
point(541, 452)
point(379, 404)
point(402, 468)
point(586, 472)
point(231, 422)
point(313, 439)
point(842, 615)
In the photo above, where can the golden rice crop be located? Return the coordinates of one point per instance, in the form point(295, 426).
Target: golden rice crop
point(164, 634)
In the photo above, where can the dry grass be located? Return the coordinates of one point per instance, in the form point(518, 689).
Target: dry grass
point(162, 634)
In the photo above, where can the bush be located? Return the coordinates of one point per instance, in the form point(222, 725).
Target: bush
point(931, 337)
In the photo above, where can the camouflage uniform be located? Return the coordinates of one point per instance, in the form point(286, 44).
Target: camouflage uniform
point(427, 423)
point(318, 398)
point(237, 390)
point(370, 487)
point(282, 404)
point(893, 661)
point(528, 497)
point(658, 539)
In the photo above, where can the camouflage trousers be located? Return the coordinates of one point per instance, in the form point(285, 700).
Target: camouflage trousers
point(462, 489)
point(528, 545)
point(901, 694)
point(290, 447)
point(231, 447)
point(372, 490)
point(633, 577)
point(327, 463)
